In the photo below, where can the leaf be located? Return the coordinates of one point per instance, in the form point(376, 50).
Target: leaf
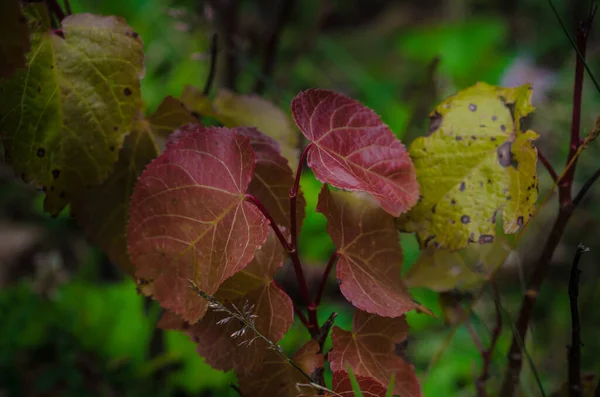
point(273, 179)
point(369, 351)
point(103, 210)
point(279, 378)
point(254, 111)
point(14, 38)
point(189, 219)
point(252, 289)
point(170, 115)
point(342, 386)
point(69, 112)
point(466, 269)
point(353, 149)
point(234, 110)
point(475, 164)
point(370, 258)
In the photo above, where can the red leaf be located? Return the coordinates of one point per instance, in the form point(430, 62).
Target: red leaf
point(273, 178)
point(370, 257)
point(354, 150)
point(369, 350)
point(278, 378)
point(189, 220)
point(368, 386)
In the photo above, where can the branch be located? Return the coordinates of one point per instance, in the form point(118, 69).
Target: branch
point(227, 11)
point(213, 64)
point(287, 7)
point(585, 188)
point(330, 264)
point(574, 351)
point(68, 7)
point(548, 166)
point(487, 355)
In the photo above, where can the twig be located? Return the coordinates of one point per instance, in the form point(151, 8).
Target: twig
point(228, 16)
point(586, 187)
point(566, 207)
point(574, 351)
point(487, 354)
point(548, 166)
point(213, 64)
point(287, 7)
point(330, 264)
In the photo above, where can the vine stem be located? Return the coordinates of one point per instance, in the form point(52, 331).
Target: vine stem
point(566, 208)
point(272, 222)
point(548, 166)
point(330, 264)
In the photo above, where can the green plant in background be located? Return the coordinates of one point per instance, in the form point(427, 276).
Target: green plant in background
point(203, 217)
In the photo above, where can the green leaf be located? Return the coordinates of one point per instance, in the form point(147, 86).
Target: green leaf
point(475, 164)
point(14, 38)
point(65, 118)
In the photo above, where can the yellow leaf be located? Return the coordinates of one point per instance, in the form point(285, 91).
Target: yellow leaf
point(475, 165)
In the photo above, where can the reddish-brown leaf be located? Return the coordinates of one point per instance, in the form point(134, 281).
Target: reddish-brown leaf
point(342, 386)
point(278, 378)
point(370, 258)
point(252, 287)
point(354, 150)
point(369, 350)
point(273, 178)
point(189, 220)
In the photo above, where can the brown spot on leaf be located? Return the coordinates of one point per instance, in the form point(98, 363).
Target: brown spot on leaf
point(127, 91)
point(41, 152)
point(463, 186)
point(452, 201)
point(486, 239)
point(494, 118)
point(505, 156)
point(494, 217)
point(472, 107)
point(435, 120)
point(55, 173)
point(492, 138)
point(465, 219)
point(433, 209)
point(112, 148)
point(520, 222)
point(458, 138)
point(62, 195)
point(115, 128)
point(503, 128)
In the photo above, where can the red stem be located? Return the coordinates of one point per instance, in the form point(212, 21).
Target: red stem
point(548, 166)
point(330, 264)
point(274, 226)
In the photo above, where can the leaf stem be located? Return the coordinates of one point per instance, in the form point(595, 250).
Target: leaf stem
point(214, 43)
point(272, 222)
point(574, 351)
point(548, 166)
point(330, 264)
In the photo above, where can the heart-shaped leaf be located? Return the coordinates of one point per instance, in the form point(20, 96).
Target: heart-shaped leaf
point(370, 258)
point(189, 219)
point(369, 351)
point(353, 149)
point(475, 162)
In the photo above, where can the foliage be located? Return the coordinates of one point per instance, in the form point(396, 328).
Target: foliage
point(203, 217)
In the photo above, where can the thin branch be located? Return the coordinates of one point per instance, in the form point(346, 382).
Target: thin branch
point(585, 188)
point(548, 166)
point(301, 316)
point(294, 194)
point(330, 264)
point(574, 351)
point(214, 48)
point(287, 6)
point(227, 13)
point(272, 222)
point(487, 354)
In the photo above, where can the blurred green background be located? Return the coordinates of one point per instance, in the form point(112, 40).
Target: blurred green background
point(72, 325)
